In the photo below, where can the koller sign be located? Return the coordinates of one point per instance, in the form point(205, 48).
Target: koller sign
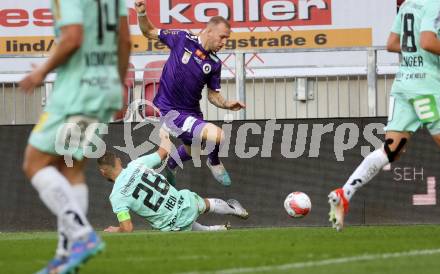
point(27, 28)
point(241, 13)
point(186, 14)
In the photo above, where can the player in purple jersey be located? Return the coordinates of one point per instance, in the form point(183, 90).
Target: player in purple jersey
point(192, 65)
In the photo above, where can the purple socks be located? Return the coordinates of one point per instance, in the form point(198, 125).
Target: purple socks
point(181, 153)
point(213, 156)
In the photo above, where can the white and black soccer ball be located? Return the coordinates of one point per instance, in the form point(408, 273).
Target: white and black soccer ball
point(297, 204)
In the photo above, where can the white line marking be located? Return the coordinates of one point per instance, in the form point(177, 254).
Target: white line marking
point(146, 259)
point(299, 265)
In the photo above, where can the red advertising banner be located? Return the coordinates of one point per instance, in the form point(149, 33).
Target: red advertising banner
point(190, 14)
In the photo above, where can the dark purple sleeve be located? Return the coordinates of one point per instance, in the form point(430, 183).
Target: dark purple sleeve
point(214, 81)
point(171, 37)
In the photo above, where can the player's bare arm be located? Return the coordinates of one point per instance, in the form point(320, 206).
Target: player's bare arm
point(70, 41)
point(217, 100)
point(125, 226)
point(124, 47)
point(393, 44)
point(430, 42)
point(165, 144)
point(147, 28)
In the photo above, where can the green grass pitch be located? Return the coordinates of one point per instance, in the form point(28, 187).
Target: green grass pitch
point(378, 249)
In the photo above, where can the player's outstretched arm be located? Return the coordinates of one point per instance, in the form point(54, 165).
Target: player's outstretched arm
point(155, 159)
point(147, 28)
point(70, 41)
point(215, 98)
point(393, 44)
point(430, 42)
point(125, 226)
point(124, 47)
point(165, 144)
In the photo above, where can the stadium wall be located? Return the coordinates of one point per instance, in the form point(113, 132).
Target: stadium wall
point(323, 153)
point(266, 98)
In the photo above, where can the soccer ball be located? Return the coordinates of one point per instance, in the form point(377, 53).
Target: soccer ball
point(297, 204)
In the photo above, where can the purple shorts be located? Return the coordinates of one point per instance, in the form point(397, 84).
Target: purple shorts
point(183, 125)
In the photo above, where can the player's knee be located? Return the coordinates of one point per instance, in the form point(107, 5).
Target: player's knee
point(436, 139)
point(393, 149)
point(212, 133)
point(207, 205)
point(27, 168)
point(220, 136)
point(74, 177)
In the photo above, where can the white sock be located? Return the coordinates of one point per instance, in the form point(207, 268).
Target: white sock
point(199, 227)
point(56, 193)
point(369, 167)
point(219, 206)
point(81, 194)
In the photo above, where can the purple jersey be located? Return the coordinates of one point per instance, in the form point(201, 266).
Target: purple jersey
point(185, 73)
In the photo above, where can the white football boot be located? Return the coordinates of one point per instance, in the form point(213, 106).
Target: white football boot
point(338, 208)
point(226, 226)
point(239, 209)
point(220, 174)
